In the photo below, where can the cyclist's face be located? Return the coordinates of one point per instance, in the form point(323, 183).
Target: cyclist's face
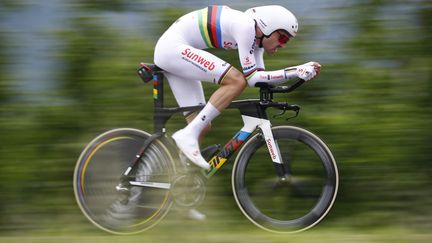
point(277, 39)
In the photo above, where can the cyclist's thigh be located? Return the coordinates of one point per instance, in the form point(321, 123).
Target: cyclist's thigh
point(190, 63)
point(186, 92)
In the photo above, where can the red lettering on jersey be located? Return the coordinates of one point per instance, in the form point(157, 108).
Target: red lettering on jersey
point(196, 58)
point(247, 61)
point(227, 45)
point(277, 77)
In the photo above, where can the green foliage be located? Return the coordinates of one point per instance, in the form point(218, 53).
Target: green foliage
point(12, 4)
point(99, 5)
point(373, 110)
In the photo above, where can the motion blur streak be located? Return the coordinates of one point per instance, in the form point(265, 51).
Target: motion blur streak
point(67, 73)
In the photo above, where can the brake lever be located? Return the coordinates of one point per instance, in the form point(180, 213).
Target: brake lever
point(295, 108)
point(291, 117)
point(280, 114)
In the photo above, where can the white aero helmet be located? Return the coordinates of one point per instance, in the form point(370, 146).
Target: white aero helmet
point(274, 17)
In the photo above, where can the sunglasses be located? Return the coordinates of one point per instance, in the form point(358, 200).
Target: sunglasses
point(283, 38)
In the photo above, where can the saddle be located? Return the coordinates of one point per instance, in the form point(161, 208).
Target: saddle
point(146, 71)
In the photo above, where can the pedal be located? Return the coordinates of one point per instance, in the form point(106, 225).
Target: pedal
point(121, 188)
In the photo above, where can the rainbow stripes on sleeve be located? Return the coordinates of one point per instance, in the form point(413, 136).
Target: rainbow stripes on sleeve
point(248, 75)
point(210, 26)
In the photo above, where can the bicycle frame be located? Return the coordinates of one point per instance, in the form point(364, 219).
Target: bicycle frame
point(250, 125)
point(158, 176)
point(254, 117)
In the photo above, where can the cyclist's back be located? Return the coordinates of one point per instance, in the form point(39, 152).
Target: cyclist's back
point(215, 27)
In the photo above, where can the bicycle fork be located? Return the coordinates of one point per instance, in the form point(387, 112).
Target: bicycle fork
point(272, 146)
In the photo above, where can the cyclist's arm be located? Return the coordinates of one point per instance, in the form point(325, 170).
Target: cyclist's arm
point(252, 62)
point(259, 59)
point(258, 74)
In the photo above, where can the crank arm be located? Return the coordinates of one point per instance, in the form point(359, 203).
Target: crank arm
point(159, 185)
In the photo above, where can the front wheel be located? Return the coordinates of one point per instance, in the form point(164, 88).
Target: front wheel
point(102, 197)
point(295, 202)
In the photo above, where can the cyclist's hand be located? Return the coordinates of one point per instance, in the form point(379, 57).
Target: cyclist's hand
point(308, 70)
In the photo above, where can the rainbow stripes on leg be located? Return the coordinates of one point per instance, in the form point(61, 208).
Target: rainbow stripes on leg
point(210, 26)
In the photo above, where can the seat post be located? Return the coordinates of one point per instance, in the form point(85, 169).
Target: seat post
point(158, 87)
point(159, 117)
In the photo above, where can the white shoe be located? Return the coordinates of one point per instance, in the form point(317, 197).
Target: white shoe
point(195, 215)
point(190, 148)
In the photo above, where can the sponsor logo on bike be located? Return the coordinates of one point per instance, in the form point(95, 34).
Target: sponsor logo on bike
point(197, 60)
point(270, 147)
point(217, 161)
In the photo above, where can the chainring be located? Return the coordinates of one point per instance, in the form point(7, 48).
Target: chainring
point(188, 190)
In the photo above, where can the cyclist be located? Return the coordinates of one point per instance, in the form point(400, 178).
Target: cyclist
point(180, 52)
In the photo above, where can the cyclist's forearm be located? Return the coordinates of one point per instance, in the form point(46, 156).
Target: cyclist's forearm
point(272, 77)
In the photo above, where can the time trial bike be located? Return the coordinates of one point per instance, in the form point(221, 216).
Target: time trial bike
point(284, 178)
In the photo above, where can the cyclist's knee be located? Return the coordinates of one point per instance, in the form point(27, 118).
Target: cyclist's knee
point(235, 79)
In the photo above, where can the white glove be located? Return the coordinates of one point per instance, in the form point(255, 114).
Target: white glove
point(306, 71)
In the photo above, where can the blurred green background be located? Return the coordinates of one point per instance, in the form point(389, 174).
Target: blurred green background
point(67, 73)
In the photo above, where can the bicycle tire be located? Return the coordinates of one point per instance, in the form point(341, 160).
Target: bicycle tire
point(99, 169)
point(305, 199)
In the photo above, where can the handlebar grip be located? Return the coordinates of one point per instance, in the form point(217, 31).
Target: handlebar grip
point(295, 85)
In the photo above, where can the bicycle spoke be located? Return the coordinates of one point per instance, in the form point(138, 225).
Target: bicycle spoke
point(119, 207)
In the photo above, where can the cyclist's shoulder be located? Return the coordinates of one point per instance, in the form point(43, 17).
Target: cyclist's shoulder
point(237, 15)
point(226, 13)
point(237, 20)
